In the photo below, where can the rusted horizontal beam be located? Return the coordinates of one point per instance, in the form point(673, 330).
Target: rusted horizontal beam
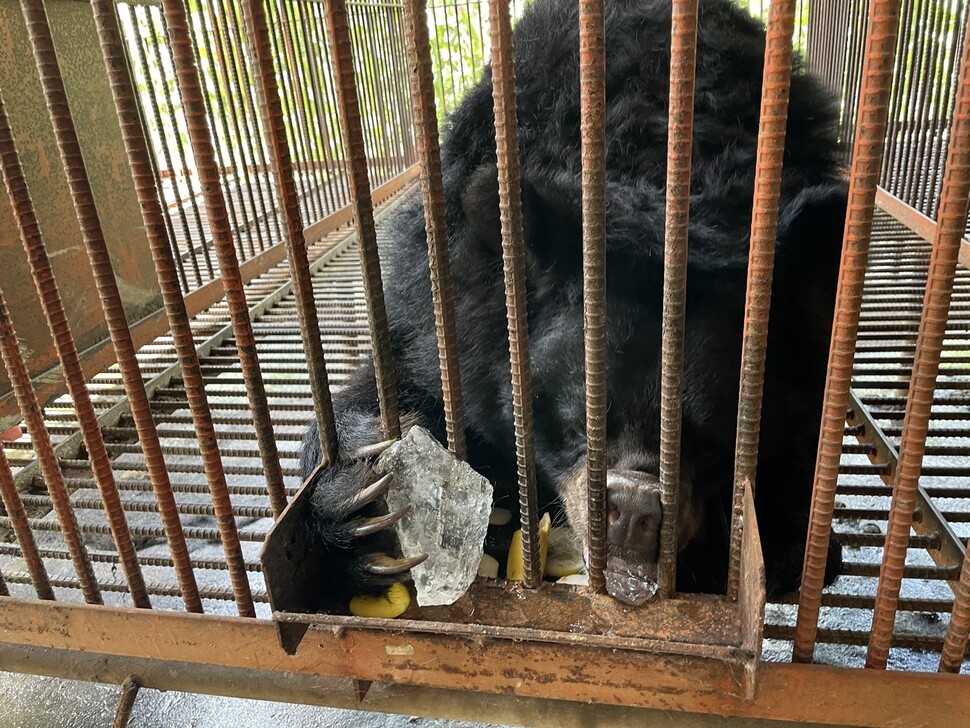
point(50, 384)
point(915, 220)
point(109, 644)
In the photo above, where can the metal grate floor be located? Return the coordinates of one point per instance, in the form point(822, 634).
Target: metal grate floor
point(890, 318)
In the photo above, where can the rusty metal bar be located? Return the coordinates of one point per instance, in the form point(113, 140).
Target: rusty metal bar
point(224, 147)
point(14, 507)
point(255, 19)
point(136, 146)
point(12, 502)
point(295, 54)
point(193, 102)
point(343, 67)
point(870, 135)
point(155, 39)
point(94, 241)
point(432, 188)
point(226, 71)
point(67, 353)
point(775, 89)
point(34, 419)
point(951, 224)
point(513, 257)
point(683, 58)
point(289, 97)
point(126, 702)
point(955, 644)
point(330, 107)
point(592, 83)
point(245, 82)
point(167, 158)
point(318, 79)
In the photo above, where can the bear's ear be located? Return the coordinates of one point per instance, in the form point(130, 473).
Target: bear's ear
point(543, 208)
point(811, 226)
point(479, 201)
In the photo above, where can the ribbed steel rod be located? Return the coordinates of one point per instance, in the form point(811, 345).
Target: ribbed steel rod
point(950, 226)
point(513, 257)
point(592, 83)
point(139, 160)
point(353, 135)
point(66, 349)
point(193, 103)
point(92, 233)
point(426, 134)
point(870, 132)
point(14, 505)
point(258, 32)
point(41, 443)
point(775, 87)
point(680, 130)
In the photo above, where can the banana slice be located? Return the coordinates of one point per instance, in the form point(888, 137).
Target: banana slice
point(514, 570)
point(392, 603)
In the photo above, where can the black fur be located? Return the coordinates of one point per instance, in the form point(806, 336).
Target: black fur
point(729, 70)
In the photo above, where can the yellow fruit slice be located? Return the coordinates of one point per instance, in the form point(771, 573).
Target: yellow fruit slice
point(392, 603)
point(514, 570)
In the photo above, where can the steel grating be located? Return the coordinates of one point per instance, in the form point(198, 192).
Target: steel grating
point(893, 298)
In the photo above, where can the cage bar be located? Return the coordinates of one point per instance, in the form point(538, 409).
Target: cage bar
point(592, 81)
point(93, 235)
point(950, 226)
point(347, 94)
point(432, 188)
point(126, 703)
point(136, 147)
point(255, 19)
point(66, 348)
point(193, 102)
point(513, 257)
point(870, 133)
point(775, 89)
point(683, 58)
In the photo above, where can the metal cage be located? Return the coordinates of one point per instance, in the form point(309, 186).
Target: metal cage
point(152, 512)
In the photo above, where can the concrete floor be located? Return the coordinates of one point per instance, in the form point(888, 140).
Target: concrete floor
point(28, 701)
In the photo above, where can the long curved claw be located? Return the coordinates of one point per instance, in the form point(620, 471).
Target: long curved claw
point(371, 493)
point(383, 565)
point(371, 451)
point(370, 526)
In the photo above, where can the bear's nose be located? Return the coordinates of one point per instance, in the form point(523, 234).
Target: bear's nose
point(634, 514)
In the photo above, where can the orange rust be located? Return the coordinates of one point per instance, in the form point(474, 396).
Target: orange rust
point(775, 87)
point(948, 238)
point(869, 145)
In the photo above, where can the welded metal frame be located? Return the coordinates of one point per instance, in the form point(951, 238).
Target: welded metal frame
point(690, 653)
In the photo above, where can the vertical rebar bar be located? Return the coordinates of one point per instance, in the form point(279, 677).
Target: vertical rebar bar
point(139, 160)
point(343, 67)
point(14, 507)
point(592, 83)
point(195, 115)
point(870, 135)
point(775, 88)
point(126, 702)
point(680, 126)
point(93, 235)
point(157, 31)
point(955, 643)
point(947, 239)
point(432, 188)
point(34, 420)
point(513, 257)
point(255, 19)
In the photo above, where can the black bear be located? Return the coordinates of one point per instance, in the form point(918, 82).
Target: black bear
point(813, 206)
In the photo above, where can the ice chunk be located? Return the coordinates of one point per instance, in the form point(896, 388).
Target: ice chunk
point(631, 584)
point(448, 521)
